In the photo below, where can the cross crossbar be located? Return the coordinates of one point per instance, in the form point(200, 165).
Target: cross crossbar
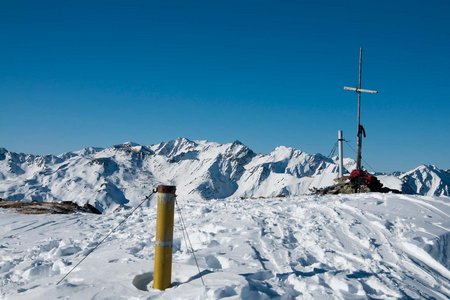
point(360, 90)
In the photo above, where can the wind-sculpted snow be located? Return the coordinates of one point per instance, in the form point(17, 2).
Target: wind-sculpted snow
point(366, 246)
point(123, 174)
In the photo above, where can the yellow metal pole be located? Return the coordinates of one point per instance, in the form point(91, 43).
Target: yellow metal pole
point(164, 237)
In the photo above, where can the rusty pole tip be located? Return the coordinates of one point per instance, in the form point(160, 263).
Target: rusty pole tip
point(166, 189)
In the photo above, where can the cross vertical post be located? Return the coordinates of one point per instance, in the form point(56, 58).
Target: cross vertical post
point(341, 154)
point(359, 142)
point(360, 128)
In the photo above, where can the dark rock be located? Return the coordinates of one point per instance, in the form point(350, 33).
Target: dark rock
point(346, 186)
point(64, 207)
point(91, 209)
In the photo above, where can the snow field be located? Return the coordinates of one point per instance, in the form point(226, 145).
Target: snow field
point(334, 247)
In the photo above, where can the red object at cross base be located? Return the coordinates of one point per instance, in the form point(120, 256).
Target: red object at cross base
point(361, 177)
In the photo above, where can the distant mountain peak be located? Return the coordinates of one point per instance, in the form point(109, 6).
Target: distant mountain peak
point(237, 142)
point(427, 179)
point(183, 140)
point(174, 147)
point(131, 144)
point(85, 151)
point(132, 148)
point(128, 144)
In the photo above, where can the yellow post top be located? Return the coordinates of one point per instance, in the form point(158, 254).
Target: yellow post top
point(166, 189)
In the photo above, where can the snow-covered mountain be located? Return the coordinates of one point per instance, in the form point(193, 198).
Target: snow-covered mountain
point(123, 174)
point(427, 180)
point(423, 180)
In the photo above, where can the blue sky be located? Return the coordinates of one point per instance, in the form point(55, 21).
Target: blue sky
point(268, 73)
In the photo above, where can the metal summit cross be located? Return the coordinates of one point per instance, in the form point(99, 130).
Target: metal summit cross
point(359, 90)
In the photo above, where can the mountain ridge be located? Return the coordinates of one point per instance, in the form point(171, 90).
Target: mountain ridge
point(122, 174)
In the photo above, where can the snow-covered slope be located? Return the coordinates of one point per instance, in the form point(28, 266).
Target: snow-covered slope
point(365, 246)
point(123, 174)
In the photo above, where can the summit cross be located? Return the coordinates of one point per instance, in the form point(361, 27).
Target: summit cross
point(360, 128)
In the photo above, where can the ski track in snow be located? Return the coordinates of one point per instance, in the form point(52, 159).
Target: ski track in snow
point(368, 246)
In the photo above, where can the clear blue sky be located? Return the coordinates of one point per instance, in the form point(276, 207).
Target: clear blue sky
point(268, 73)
